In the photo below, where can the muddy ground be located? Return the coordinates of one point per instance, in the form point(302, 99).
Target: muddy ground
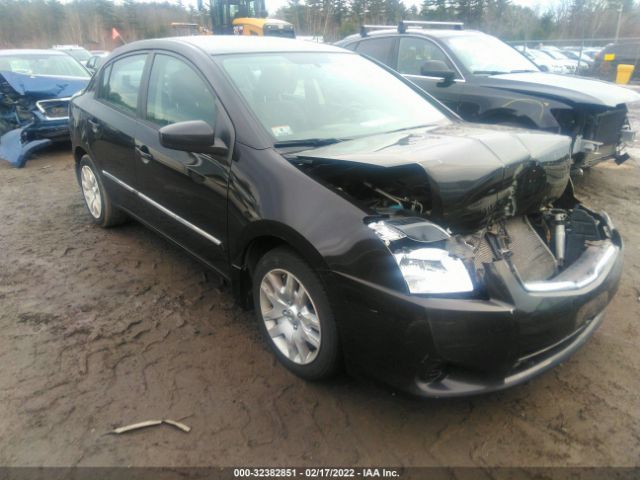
point(100, 328)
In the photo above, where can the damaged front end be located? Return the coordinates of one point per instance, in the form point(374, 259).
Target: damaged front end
point(600, 133)
point(33, 113)
point(503, 267)
point(562, 247)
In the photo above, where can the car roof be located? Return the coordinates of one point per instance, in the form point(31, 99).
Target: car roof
point(32, 51)
point(425, 32)
point(68, 47)
point(227, 44)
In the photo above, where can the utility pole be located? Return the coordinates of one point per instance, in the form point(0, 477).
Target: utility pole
point(212, 14)
point(619, 21)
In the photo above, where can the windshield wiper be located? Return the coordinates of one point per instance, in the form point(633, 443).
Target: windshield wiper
point(307, 142)
point(410, 128)
point(522, 71)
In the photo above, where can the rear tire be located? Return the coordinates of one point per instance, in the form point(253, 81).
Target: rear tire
point(96, 198)
point(295, 316)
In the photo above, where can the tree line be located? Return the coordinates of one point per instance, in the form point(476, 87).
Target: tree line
point(42, 23)
point(565, 19)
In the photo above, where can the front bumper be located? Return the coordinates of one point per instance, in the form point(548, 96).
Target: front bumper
point(444, 347)
point(17, 145)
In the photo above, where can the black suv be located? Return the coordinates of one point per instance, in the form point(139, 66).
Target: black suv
point(485, 80)
point(607, 60)
point(363, 220)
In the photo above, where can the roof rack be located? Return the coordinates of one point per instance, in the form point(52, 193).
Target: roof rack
point(364, 29)
point(404, 24)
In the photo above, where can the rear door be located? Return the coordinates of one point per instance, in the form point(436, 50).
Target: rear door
point(185, 193)
point(112, 125)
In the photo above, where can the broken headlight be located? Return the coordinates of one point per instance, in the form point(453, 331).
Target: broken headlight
point(424, 269)
point(54, 109)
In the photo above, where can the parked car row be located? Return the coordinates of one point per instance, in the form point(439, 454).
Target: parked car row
point(599, 62)
point(545, 62)
point(555, 60)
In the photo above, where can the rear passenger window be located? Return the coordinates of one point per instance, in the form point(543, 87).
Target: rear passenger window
point(122, 83)
point(177, 93)
point(378, 48)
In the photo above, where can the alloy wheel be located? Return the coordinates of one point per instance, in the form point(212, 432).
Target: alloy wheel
point(290, 316)
point(91, 191)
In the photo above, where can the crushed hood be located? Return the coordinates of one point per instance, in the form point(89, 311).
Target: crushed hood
point(43, 86)
point(475, 174)
point(576, 89)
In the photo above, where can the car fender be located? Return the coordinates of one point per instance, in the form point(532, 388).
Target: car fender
point(265, 230)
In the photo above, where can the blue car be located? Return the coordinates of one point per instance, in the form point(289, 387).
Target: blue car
point(35, 89)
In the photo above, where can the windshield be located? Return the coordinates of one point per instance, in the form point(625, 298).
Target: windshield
point(299, 96)
point(43, 64)
point(79, 54)
point(484, 54)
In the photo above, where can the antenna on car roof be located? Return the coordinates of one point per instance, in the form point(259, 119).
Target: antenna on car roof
point(402, 26)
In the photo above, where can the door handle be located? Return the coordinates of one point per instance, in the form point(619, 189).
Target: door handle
point(144, 153)
point(95, 126)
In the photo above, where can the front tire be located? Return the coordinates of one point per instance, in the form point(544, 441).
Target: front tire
point(96, 198)
point(294, 315)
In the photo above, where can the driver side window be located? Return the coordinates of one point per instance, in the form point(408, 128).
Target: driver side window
point(177, 93)
point(414, 52)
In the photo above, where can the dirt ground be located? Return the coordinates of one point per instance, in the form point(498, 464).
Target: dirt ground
point(101, 328)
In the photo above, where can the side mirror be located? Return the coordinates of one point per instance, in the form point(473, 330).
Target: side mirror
point(437, 68)
point(543, 68)
point(192, 136)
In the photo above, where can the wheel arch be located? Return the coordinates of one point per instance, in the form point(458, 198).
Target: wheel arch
point(509, 116)
point(78, 153)
point(260, 238)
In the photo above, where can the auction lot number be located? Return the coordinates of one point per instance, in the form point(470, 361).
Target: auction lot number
point(316, 473)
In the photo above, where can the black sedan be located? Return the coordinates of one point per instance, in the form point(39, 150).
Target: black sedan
point(485, 80)
point(364, 222)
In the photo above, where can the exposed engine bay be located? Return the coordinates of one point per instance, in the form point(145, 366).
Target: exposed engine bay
point(394, 192)
point(539, 243)
point(542, 245)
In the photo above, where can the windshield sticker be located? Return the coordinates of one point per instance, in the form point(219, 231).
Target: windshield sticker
point(282, 130)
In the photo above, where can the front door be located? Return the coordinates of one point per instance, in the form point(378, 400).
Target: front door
point(185, 193)
point(416, 52)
